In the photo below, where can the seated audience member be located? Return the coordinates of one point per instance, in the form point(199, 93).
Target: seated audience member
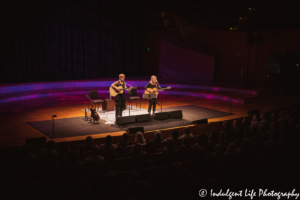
point(110, 153)
point(139, 138)
point(254, 121)
point(225, 132)
point(175, 135)
point(271, 143)
point(143, 162)
point(185, 145)
point(170, 145)
point(49, 150)
point(203, 140)
point(26, 158)
point(274, 117)
point(231, 149)
point(136, 151)
point(126, 142)
point(245, 123)
point(157, 137)
point(150, 148)
point(218, 150)
point(108, 143)
point(95, 158)
point(263, 124)
point(186, 133)
point(63, 153)
point(213, 136)
point(246, 146)
point(258, 143)
point(273, 128)
point(88, 146)
point(72, 158)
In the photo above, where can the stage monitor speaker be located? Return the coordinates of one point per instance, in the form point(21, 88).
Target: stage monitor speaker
point(143, 118)
point(200, 121)
point(177, 114)
point(36, 141)
point(254, 112)
point(134, 130)
point(126, 120)
point(161, 116)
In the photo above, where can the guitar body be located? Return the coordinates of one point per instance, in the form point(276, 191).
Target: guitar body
point(114, 93)
point(155, 91)
point(94, 114)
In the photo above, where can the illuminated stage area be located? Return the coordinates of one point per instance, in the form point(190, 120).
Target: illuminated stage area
point(32, 102)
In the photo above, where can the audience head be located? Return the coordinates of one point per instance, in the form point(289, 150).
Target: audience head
point(175, 134)
point(235, 123)
point(262, 116)
point(157, 135)
point(186, 130)
point(108, 140)
point(139, 138)
point(225, 124)
point(214, 136)
point(254, 118)
point(125, 136)
point(218, 149)
point(89, 140)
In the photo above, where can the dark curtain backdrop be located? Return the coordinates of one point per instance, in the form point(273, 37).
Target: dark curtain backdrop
point(71, 39)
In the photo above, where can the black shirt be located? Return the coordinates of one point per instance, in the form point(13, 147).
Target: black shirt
point(149, 85)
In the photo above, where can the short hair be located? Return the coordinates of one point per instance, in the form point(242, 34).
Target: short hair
point(157, 135)
point(186, 130)
point(121, 75)
point(175, 134)
point(125, 136)
point(89, 139)
point(108, 140)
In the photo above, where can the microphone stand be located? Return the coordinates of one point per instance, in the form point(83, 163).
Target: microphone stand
point(129, 93)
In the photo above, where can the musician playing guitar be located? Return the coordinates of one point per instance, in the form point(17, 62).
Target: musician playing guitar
point(152, 87)
point(120, 98)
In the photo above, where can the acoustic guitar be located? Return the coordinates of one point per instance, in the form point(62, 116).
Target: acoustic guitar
point(94, 114)
point(155, 90)
point(113, 92)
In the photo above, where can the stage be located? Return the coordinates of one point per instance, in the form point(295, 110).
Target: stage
point(78, 126)
point(68, 101)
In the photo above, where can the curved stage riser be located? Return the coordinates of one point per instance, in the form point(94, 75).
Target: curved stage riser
point(9, 93)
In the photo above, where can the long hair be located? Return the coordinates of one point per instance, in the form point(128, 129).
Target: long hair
point(151, 78)
point(139, 138)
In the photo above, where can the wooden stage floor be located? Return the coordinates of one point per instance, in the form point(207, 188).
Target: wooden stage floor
point(14, 115)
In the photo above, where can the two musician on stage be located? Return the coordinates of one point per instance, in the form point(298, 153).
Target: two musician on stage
point(120, 98)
